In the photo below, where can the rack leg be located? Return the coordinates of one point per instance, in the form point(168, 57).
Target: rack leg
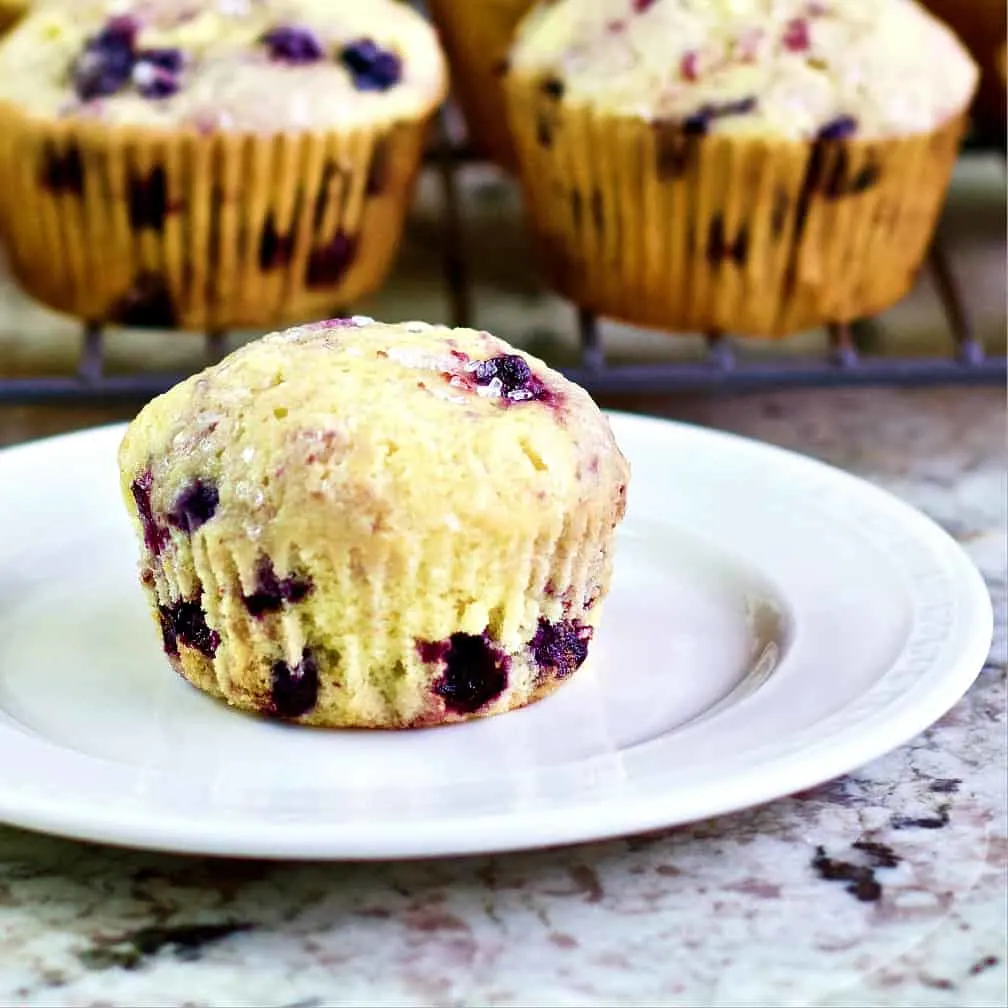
point(216, 346)
point(592, 351)
point(843, 351)
point(454, 264)
point(91, 364)
point(968, 350)
point(720, 351)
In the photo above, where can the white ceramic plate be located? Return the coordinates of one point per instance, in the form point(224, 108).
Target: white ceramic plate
point(773, 623)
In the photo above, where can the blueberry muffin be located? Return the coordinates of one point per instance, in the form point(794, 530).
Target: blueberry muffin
point(982, 25)
point(357, 524)
point(213, 163)
point(736, 165)
point(477, 35)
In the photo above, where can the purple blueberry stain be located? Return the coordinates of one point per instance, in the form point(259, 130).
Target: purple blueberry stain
point(155, 537)
point(699, 122)
point(106, 64)
point(194, 506)
point(328, 263)
point(293, 44)
point(510, 376)
point(841, 128)
point(560, 649)
point(275, 249)
point(184, 622)
point(475, 670)
point(157, 72)
point(371, 67)
point(294, 688)
point(272, 593)
point(147, 304)
point(148, 200)
point(63, 171)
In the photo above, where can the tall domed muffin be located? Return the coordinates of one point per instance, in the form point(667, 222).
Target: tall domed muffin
point(214, 163)
point(748, 167)
point(476, 37)
point(357, 524)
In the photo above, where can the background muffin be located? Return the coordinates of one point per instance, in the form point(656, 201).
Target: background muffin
point(210, 164)
point(383, 526)
point(477, 35)
point(11, 11)
point(982, 25)
point(713, 167)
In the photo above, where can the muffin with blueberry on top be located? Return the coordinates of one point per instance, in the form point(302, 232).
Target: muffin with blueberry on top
point(214, 163)
point(366, 525)
point(740, 166)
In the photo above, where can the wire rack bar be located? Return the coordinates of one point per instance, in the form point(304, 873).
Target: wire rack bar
point(848, 359)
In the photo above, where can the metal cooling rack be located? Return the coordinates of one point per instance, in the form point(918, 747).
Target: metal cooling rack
point(850, 355)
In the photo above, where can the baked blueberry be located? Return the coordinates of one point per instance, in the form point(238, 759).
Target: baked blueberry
point(475, 670)
point(154, 535)
point(185, 623)
point(106, 65)
point(329, 262)
point(372, 67)
point(293, 44)
point(194, 506)
point(515, 377)
point(272, 592)
point(560, 649)
point(294, 690)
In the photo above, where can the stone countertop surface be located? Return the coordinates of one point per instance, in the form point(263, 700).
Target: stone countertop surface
point(905, 904)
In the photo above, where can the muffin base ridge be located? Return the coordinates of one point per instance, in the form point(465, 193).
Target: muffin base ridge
point(646, 223)
point(144, 227)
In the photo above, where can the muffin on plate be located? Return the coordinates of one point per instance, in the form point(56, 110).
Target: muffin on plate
point(982, 25)
point(214, 163)
point(751, 167)
point(357, 524)
point(476, 37)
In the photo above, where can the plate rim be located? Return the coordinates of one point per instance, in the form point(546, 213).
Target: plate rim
point(499, 832)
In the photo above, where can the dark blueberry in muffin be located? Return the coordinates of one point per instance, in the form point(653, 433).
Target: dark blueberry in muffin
point(372, 67)
point(106, 65)
point(699, 122)
point(275, 249)
point(553, 88)
point(155, 537)
point(475, 671)
point(838, 129)
point(185, 623)
point(157, 72)
point(517, 382)
point(293, 44)
point(272, 592)
point(560, 649)
point(148, 200)
point(194, 506)
point(147, 304)
point(328, 263)
point(294, 691)
point(63, 171)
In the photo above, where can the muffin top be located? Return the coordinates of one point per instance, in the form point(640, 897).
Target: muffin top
point(248, 65)
point(351, 430)
point(786, 68)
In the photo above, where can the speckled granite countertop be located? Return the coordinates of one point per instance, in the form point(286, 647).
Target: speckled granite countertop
point(738, 910)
